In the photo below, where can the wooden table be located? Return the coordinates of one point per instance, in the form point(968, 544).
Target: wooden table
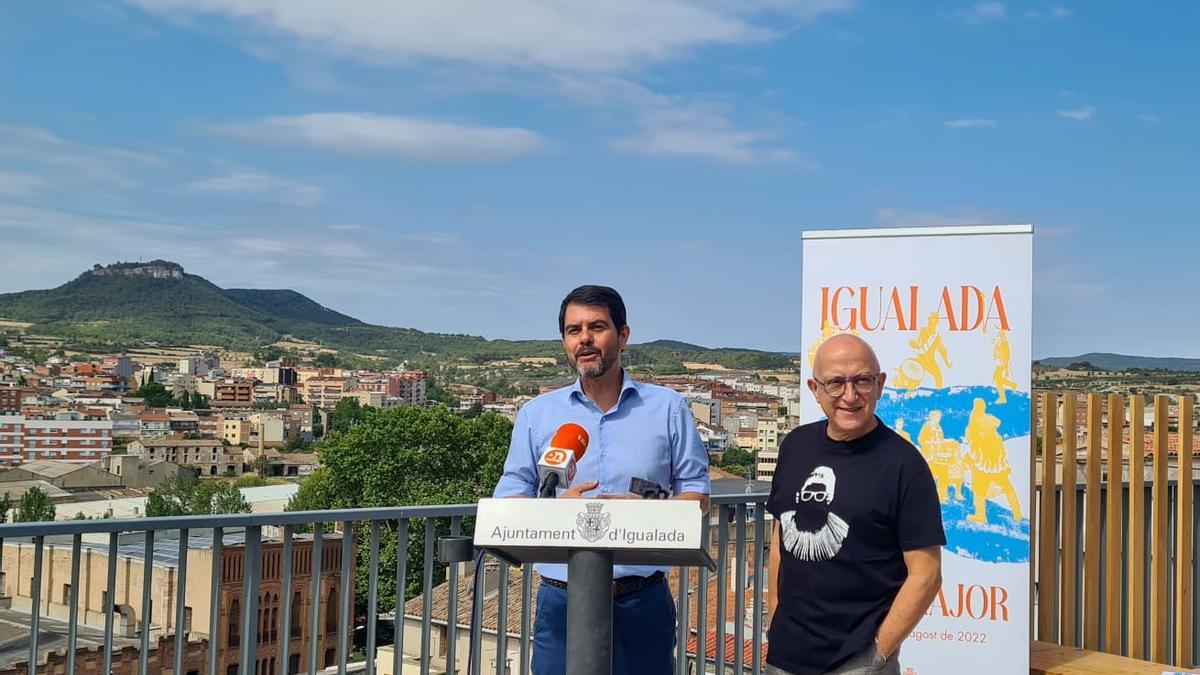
point(1048, 659)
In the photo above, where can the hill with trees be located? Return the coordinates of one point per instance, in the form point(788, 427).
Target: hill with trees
point(130, 305)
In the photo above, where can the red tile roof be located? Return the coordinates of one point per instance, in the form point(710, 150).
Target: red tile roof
point(710, 649)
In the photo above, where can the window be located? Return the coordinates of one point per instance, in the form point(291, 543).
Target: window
point(66, 594)
point(235, 613)
point(331, 612)
point(297, 607)
point(293, 664)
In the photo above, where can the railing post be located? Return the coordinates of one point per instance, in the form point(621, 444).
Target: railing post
point(35, 599)
point(314, 624)
point(251, 626)
point(147, 607)
point(217, 576)
point(346, 614)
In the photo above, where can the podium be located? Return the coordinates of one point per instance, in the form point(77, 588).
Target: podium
point(590, 536)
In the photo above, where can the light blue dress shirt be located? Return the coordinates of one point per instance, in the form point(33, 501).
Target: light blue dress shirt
point(649, 434)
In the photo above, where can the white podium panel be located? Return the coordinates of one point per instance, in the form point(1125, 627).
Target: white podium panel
point(636, 531)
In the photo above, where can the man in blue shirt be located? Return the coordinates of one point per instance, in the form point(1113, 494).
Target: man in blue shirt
point(636, 430)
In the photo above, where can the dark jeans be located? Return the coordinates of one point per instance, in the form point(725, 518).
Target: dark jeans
point(643, 632)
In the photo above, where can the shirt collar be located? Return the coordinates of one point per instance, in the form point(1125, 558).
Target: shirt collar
point(627, 385)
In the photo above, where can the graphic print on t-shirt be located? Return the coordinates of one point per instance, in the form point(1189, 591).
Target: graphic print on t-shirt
point(828, 530)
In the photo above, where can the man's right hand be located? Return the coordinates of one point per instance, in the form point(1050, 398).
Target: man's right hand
point(576, 491)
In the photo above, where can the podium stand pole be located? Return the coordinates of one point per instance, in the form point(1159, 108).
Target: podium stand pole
point(589, 612)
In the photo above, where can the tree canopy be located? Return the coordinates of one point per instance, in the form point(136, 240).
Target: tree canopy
point(407, 456)
point(184, 495)
point(35, 506)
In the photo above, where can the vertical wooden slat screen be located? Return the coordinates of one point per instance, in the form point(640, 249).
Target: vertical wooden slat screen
point(1159, 540)
point(1091, 528)
point(1068, 579)
point(1183, 543)
point(1136, 601)
point(1112, 589)
point(1047, 546)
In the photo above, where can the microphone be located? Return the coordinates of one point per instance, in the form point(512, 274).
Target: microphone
point(556, 467)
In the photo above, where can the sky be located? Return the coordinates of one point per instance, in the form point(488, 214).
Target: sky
point(457, 167)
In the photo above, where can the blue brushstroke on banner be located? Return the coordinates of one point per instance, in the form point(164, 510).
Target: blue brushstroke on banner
point(955, 404)
point(999, 540)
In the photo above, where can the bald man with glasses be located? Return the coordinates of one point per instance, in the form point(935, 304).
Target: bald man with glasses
point(856, 549)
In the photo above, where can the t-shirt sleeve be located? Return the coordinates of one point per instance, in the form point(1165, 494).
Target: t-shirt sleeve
point(919, 515)
point(774, 505)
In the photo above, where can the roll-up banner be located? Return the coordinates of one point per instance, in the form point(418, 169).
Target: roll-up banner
point(948, 310)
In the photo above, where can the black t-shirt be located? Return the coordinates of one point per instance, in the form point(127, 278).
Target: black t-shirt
point(847, 511)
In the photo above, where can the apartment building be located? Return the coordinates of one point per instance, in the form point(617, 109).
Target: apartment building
point(67, 436)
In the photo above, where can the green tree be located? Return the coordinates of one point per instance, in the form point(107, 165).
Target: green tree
point(184, 494)
point(173, 497)
point(155, 394)
point(5, 506)
point(212, 497)
point(317, 429)
point(326, 360)
point(435, 392)
point(737, 460)
point(347, 413)
point(407, 456)
point(34, 507)
point(262, 465)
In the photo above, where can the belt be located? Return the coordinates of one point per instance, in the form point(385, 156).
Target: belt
point(622, 586)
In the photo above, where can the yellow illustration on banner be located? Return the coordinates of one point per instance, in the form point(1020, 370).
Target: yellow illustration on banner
point(1002, 375)
point(991, 474)
point(899, 429)
point(929, 348)
point(828, 330)
point(944, 456)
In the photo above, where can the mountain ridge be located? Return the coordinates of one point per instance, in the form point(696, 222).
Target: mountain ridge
point(131, 304)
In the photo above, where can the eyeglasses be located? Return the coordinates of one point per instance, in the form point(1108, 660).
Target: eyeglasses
point(836, 386)
point(819, 495)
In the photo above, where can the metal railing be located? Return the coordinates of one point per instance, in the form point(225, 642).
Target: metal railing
point(245, 642)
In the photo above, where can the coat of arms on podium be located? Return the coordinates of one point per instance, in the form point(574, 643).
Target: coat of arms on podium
point(592, 524)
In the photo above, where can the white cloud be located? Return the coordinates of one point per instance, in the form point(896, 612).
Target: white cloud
point(369, 135)
point(969, 122)
point(261, 185)
point(702, 131)
point(286, 247)
point(981, 12)
point(34, 146)
point(432, 238)
point(1150, 118)
point(18, 184)
point(1083, 114)
point(1054, 13)
point(346, 227)
point(569, 35)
